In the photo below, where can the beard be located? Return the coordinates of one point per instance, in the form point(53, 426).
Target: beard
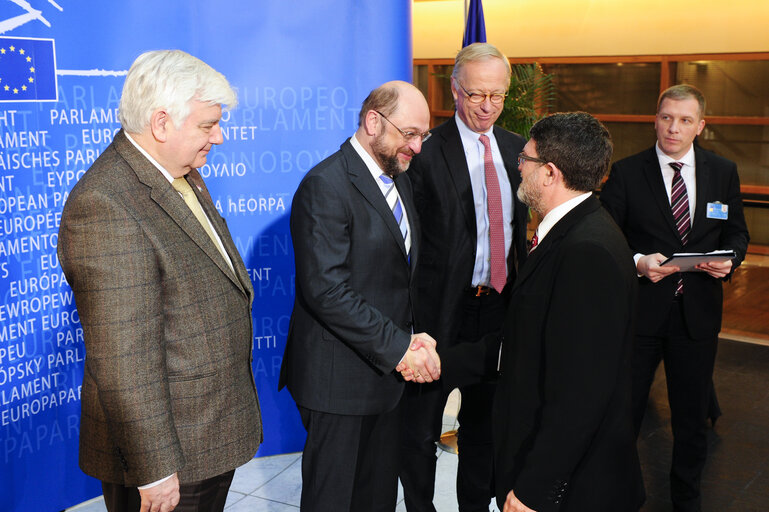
point(530, 195)
point(388, 159)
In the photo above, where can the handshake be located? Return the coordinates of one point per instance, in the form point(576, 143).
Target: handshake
point(421, 362)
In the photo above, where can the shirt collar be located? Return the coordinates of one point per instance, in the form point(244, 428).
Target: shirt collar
point(148, 157)
point(466, 134)
point(687, 159)
point(557, 213)
point(371, 164)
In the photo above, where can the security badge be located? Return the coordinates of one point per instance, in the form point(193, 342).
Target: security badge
point(718, 210)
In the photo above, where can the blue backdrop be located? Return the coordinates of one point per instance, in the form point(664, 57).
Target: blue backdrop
point(301, 68)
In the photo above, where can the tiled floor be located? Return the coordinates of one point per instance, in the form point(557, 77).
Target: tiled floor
point(274, 484)
point(736, 477)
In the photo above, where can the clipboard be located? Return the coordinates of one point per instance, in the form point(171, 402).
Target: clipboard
point(686, 261)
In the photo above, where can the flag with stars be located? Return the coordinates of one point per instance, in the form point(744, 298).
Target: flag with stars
point(27, 69)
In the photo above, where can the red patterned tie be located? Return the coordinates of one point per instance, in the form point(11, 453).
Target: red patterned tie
point(679, 202)
point(534, 242)
point(496, 222)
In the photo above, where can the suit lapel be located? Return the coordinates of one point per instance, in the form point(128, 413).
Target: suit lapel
point(363, 181)
point(653, 175)
point(554, 237)
point(169, 200)
point(702, 178)
point(406, 195)
point(510, 159)
point(204, 197)
point(456, 161)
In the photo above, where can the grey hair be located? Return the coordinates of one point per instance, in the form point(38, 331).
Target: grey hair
point(479, 52)
point(170, 79)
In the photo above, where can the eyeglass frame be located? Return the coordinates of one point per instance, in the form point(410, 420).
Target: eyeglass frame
point(522, 157)
point(407, 136)
point(489, 95)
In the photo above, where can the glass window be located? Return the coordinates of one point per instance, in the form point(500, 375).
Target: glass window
point(731, 88)
point(630, 138)
point(444, 99)
point(618, 88)
point(440, 120)
point(421, 79)
point(747, 145)
point(757, 220)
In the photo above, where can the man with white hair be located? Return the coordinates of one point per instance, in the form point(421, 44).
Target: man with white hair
point(169, 405)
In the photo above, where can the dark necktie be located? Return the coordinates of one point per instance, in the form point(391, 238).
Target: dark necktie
point(679, 202)
point(496, 221)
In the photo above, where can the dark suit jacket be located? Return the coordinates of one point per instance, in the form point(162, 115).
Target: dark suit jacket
point(168, 385)
point(563, 433)
point(352, 318)
point(444, 199)
point(635, 196)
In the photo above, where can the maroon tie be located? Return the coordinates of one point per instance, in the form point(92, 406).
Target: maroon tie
point(534, 242)
point(496, 222)
point(679, 202)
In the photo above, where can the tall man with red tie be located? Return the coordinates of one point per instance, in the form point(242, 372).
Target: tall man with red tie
point(473, 238)
point(677, 197)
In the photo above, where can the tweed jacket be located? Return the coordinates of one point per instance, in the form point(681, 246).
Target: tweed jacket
point(168, 385)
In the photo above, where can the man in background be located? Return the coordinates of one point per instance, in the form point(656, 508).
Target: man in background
point(677, 197)
point(473, 239)
point(356, 242)
point(169, 406)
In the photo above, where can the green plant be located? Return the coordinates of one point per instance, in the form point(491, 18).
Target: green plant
point(531, 95)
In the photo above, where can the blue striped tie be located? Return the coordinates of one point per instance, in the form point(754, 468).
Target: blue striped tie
point(394, 202)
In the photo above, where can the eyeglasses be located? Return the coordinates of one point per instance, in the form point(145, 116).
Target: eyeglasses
point(497, 98)
point(408, 136)
point(522, 157)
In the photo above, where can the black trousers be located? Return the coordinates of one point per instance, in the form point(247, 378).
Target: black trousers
point(422, 417)
point(688, 370)
point(208, 495)
point(350, 463)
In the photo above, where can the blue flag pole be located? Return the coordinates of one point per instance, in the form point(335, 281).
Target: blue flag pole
point(475, 28)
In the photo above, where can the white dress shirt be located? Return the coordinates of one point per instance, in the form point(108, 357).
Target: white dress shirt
point(556, 214)
point(376, 172)
point(474, 155)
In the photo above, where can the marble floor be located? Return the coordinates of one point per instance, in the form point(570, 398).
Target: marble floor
point(274, 484)
point(736, 477)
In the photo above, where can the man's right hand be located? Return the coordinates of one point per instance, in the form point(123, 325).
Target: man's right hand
point(649, 266)
point(162, 497)
point(421, 362)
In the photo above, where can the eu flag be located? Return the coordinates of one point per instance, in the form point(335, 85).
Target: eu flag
point(475, 30)
point(27, 69)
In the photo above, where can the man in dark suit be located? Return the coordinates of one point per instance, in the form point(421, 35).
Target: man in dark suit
point(356, 242)
point(679, 314)
point(563, 430)
point(168, 402)
point(473, 238)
